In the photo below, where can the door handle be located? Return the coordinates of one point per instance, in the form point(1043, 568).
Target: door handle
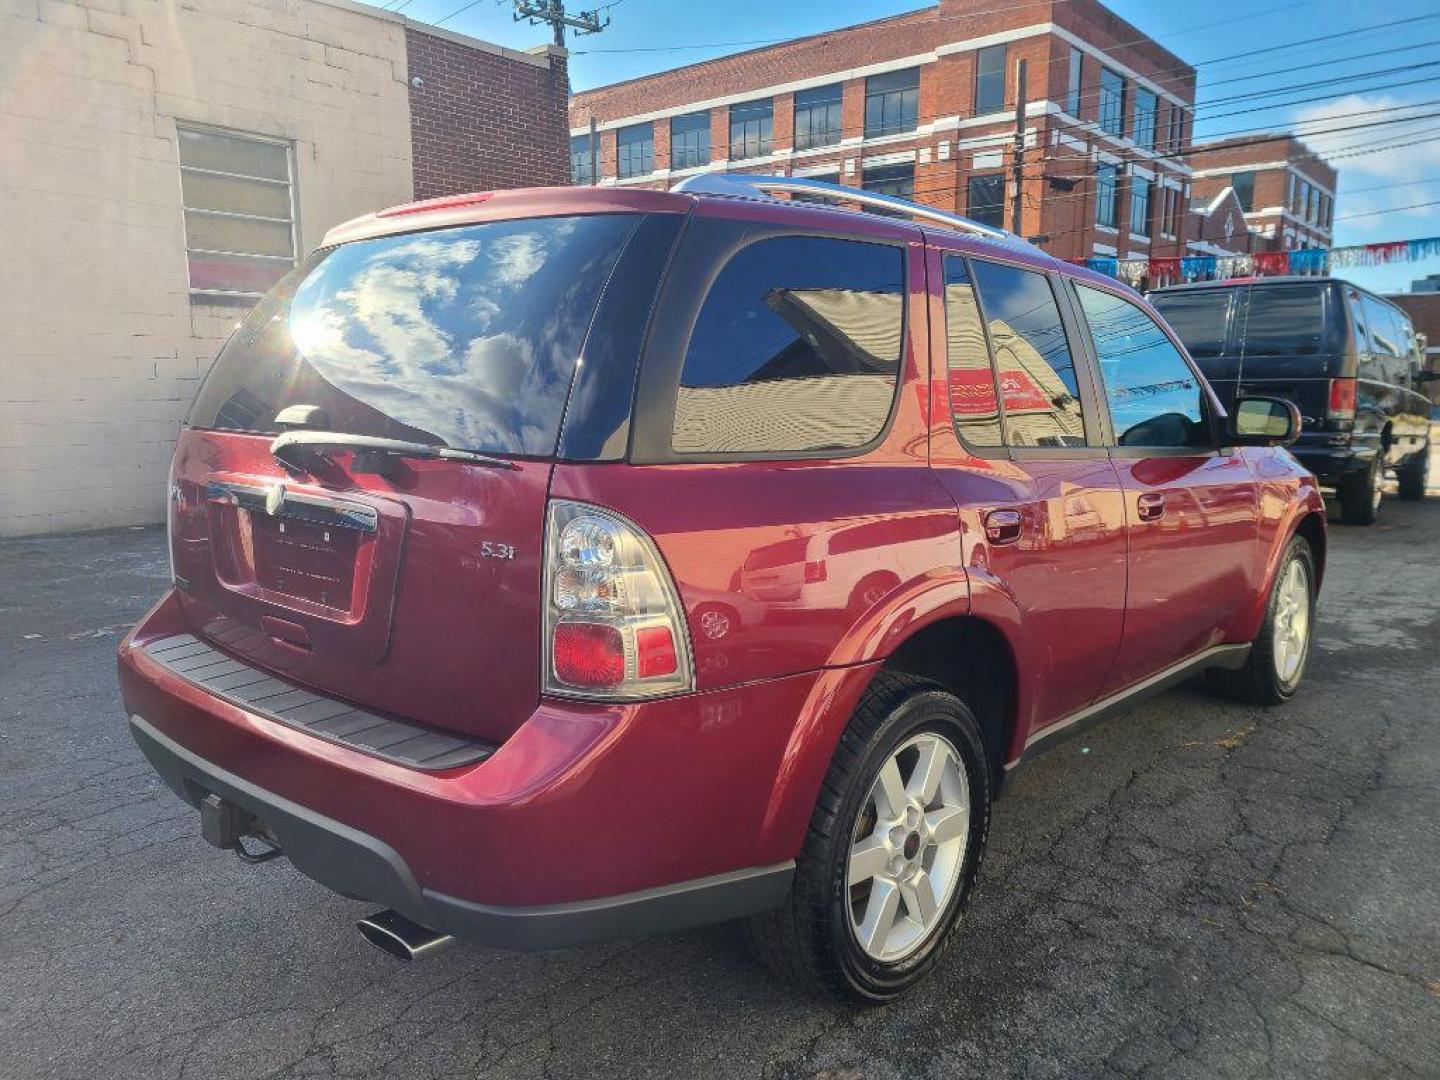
point(1150, 506)
point(1003, 526)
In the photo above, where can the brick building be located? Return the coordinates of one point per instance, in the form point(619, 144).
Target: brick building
point(924, 105)
point(1286, 192)
point(163, 163)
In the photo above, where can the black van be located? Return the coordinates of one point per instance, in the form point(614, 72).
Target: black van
point(1346, 357)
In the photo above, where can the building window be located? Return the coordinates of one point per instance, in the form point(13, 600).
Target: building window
point(796, 348)
point(985, 200)
point(1072, 84)
point(817, 116)
point(1139, 206)
point(1105, 195)
point(690, 140)
point(1244, 185)
point(892, 102)
point(581, 171)
point(819, 200)
point(1327, 212)
point(1314, 215)
point(1112, 103)
point(897, 180)
point(1304, 199)
point(750, 129)
point(1176, 133)
point(1146, 113)
point(239, 211)
point(989, 79)
point(635, 146)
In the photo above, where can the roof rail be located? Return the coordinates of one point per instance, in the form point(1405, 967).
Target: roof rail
point(751, 186)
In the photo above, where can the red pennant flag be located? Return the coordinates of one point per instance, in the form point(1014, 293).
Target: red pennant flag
point(1164, 268)
point(1272, 262)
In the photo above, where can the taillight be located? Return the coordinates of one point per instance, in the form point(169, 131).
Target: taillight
point(614, 627)
point(1342, 399)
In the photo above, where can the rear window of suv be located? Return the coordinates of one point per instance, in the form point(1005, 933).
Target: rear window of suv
point(463, 337)
point(1284, 320)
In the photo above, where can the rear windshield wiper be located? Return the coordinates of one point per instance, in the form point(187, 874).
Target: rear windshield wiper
point(291, 447)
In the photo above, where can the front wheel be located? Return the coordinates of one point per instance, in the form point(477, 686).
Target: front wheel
point(1276, 665)
point(892, 850)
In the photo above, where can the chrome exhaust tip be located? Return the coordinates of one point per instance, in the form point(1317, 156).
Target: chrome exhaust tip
point(405, 940)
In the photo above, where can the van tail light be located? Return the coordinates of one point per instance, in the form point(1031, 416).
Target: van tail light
point(614, 628)
point(1342, 399)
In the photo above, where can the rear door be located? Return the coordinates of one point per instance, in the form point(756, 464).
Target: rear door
point(1191, 510)
point(1290, 342)
point(408, 585)
point(1040, 511)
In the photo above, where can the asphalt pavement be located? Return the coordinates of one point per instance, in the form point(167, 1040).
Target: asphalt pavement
point(1195, 888)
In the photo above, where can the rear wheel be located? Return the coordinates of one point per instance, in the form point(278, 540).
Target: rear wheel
point(1361, 492)
point(892, 849)
point(1415, 475)
point(1278, 656)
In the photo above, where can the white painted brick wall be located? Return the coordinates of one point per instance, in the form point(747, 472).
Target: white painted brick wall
point(101, 348)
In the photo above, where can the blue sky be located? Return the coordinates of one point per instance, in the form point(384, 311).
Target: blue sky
point(652, 35)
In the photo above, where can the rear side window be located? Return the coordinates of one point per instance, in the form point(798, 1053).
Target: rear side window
point(1385, 337)
point(796, 348)
point(1198, 317)
point(1284, 320)
point(969, 375)
point(1038, 385)
point(461, 337)
point(1155, 399)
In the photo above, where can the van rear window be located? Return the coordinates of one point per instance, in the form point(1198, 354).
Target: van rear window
point(1198, 317)
point(1284, 320)
point(463, 337)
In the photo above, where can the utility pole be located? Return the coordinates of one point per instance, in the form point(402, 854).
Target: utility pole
point(1017, 164)
point(594, 152)
point(553, 12)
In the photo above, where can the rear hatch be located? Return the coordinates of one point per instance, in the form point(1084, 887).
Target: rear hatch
point(1282, 340)
point(394, 578)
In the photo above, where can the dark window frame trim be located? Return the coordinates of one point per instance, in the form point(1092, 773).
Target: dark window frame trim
point(652, 428)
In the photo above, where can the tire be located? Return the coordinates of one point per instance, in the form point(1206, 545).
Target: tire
point(1271, 674)
point(1415, 475)
point(813, 940)
point(1360, 493)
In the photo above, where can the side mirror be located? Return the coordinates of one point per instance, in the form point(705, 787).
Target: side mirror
point(1265, 421)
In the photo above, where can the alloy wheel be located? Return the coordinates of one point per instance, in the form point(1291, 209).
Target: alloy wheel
point(908, 847)
point(1292, 622)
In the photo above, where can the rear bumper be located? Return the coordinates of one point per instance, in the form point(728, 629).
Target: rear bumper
point(1330, 463)
point(356, 864)
point(590, 821)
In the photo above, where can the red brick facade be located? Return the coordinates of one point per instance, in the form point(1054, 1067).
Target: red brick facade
point(482, 120)
point(950, 140)
point(1291, 190)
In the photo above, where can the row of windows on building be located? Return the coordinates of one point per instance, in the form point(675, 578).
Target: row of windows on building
point(892, 106)
point(1302, 198)
point(1152, 206)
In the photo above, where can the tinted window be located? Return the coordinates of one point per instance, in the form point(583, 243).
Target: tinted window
point(897, 180)
point(1155, 397)
point(990, 79)
point(817, 116)
point(1072, 84)
point(751, 125)
point(1284, 320)
point(581, 171)
point(1384, 333)
point(1198, 318)
point(1140, 206)
point(1142, 128)
point(797, 347)
point(690, 140)
point(635, 146)
point(1244, 185)
point(465, 337)
point(970, 377)
point(892, 102)
point(1112, 102)
point(1037, 374)
point(1105, 195)
point(985, 199)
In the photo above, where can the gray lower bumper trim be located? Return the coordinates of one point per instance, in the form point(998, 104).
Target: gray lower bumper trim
point(358, 865)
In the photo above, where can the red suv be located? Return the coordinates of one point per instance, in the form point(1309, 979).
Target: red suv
point(560, 565)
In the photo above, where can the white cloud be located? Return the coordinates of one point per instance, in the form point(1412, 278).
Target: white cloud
point(1385, 162)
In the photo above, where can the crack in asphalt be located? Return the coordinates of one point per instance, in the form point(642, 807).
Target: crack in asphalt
point(1198, 889)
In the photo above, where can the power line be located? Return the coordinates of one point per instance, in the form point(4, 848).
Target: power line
point(1389, 210)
